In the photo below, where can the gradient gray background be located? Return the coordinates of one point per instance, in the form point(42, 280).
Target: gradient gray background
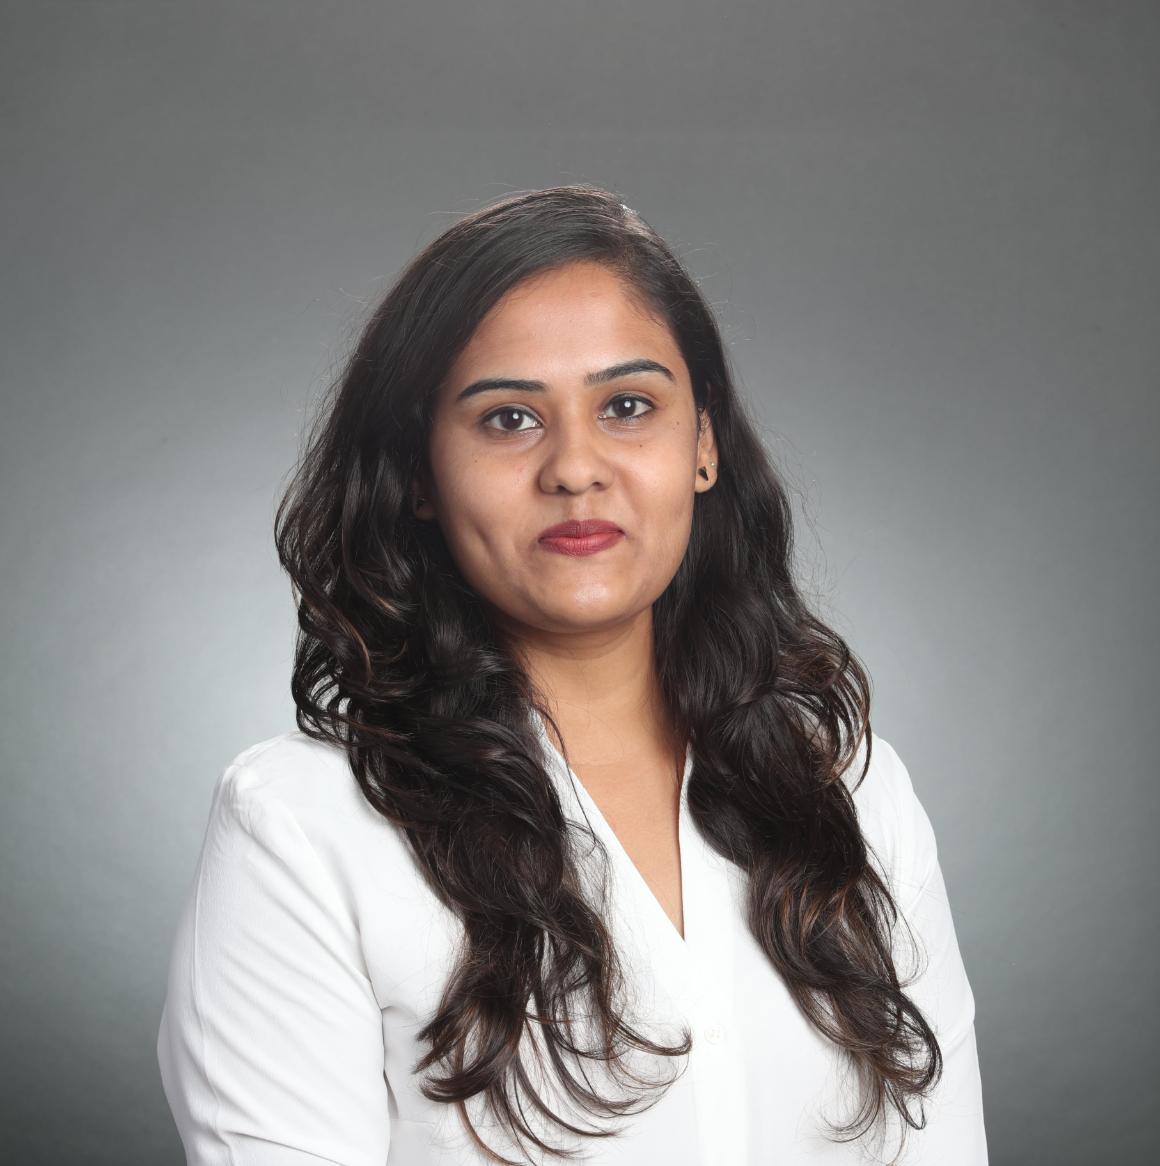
point(930, 232)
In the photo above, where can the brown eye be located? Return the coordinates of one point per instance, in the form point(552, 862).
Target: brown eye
point(506, 414)
point(630, 398)
point(507, 419)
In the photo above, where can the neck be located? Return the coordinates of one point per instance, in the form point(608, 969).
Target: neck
point(603, 691)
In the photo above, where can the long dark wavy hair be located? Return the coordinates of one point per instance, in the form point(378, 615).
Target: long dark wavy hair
point(397, 661)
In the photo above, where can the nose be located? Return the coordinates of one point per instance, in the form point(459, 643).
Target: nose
point(574, 455)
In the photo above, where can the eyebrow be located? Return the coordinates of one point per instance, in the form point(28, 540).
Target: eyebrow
point(625, 368)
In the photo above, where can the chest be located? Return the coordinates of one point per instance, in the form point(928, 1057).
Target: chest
point(642, 812)
point(755, 1060)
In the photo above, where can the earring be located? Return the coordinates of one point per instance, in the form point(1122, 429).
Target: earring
point(704, 472)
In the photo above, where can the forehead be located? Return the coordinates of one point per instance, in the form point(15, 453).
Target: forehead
point(580, 312)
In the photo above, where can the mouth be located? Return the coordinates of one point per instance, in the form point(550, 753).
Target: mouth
point(581, 537)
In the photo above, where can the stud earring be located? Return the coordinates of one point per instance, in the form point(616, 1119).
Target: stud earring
point(704, 472)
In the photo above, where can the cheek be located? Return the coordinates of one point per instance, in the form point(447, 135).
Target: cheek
point(664, 509)
point(668, 495)
point(476, 517)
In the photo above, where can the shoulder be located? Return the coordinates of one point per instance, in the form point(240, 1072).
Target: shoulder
point(290, 767)
point(894, 823)
point(308, 786)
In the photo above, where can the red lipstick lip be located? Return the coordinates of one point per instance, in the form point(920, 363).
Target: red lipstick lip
point(580, 528)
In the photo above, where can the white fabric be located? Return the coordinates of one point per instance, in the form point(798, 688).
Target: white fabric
point(310, 951)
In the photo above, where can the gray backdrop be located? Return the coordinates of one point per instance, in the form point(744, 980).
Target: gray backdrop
point(930, 231)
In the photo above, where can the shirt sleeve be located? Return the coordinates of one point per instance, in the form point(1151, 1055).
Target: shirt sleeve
point(271, 1040)
point(931, 968)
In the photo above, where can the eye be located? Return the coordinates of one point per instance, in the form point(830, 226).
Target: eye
point(507, 413)
point(510, 412)
point(630, 397)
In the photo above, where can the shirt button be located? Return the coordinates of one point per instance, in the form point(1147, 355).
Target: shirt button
point(714, 1034)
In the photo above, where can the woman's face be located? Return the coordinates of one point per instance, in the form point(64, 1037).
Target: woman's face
point(584, 441)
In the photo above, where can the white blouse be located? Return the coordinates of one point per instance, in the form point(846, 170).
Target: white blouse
point(310, 951)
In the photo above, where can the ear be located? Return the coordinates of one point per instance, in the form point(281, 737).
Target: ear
point(706, 454)
point(422, 504)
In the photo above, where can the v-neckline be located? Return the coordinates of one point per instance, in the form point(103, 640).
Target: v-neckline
point(644, 893)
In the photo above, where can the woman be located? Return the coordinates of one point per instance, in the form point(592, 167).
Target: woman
point(584, 842)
